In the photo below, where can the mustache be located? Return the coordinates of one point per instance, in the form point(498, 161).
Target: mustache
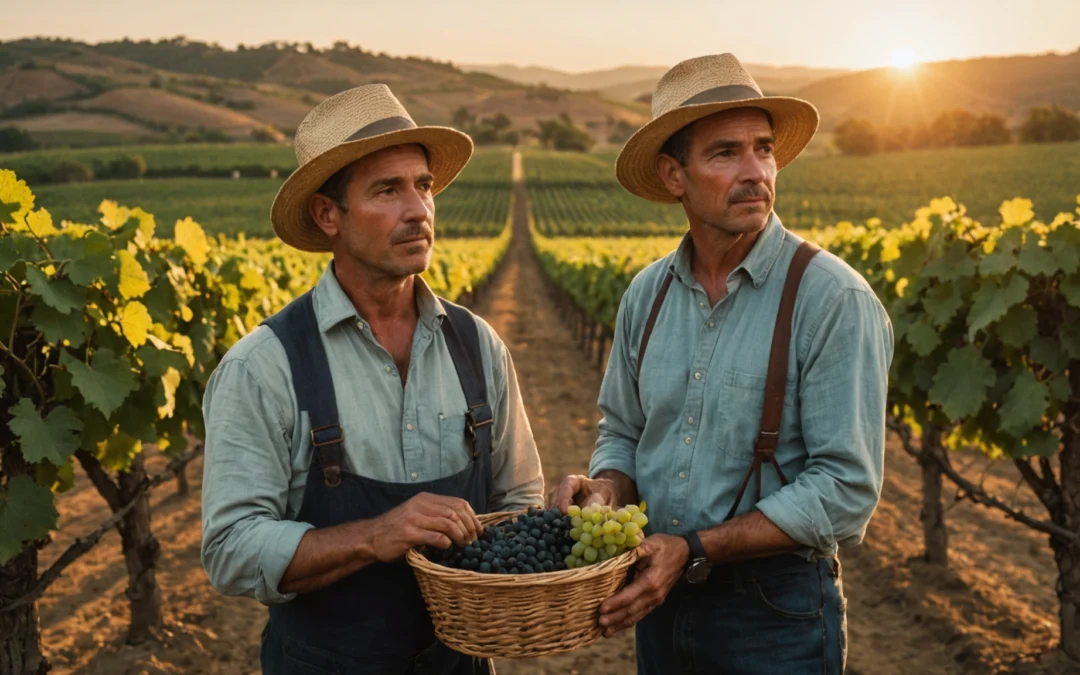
point(749, 192)
point(413, 230)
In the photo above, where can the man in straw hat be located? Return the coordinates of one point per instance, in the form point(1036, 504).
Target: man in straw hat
point(366, 418)
point(745, 356)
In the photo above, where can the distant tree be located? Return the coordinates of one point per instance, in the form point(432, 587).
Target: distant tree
point(125, 167)
point(561, 134)
point(893, 138)
point(266, 133)
point(1050, 124)
point(462, 118)
point(14, 139)
point(622, 132)
point(952, 127)
point(70, 171)
point(990, 129)
point(856, 137)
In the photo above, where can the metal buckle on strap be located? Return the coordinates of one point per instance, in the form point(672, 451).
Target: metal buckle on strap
point(472, 423)
point(767, 441)
point(317, 433)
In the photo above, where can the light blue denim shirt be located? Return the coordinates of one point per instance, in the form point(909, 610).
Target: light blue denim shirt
point(258, 446)
point(686, 431)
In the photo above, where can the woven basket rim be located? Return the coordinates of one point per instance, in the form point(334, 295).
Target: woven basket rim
point(420, 562)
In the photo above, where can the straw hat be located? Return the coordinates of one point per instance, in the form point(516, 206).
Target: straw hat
point(341, 130)
point(697, 88)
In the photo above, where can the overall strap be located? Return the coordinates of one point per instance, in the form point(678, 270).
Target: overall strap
point(776, 379)
point(298, 330)
point(463, 342)
point(650, 323)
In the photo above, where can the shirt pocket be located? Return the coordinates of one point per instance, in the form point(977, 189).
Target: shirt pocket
point(741, 398)
point(454, 451)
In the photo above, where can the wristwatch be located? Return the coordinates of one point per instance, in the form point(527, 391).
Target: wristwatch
point(697, 571)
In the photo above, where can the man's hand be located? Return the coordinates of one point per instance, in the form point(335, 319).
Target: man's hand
point(663, 559)
point(426, 519)
point(612, 488)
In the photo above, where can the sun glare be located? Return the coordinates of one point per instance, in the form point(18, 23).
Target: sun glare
point(903, 58)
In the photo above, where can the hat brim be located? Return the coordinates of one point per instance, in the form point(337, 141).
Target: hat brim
point(449, 150)
point(795, 122)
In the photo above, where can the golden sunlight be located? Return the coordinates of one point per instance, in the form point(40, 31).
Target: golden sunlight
point(903, 58)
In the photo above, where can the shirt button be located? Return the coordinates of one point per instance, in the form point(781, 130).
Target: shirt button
point(389, 369)
point(701, 304)
point(697, 376)
point(675, 522)
point(682, 475)
point(414, 475)
point(689, 440)
point(360, 325)
point(409, 427)
point(711, 324)
point(690, 420)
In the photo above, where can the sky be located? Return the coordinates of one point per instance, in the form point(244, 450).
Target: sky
point(584, 35)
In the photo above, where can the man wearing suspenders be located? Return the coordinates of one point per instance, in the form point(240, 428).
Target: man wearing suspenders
point(367, 417)
point(744, 398)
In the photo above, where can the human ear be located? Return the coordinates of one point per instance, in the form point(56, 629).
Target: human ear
point(326, 213)
point(671, 174)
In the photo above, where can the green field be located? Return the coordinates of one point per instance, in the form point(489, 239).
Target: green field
point(477, 204)
point(579, 196)
point(162, 158)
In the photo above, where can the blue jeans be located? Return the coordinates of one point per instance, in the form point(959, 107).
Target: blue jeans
point(777, 615)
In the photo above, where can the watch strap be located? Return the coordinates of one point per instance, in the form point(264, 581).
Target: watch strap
point(697, 551)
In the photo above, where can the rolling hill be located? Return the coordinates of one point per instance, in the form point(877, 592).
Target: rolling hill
point(176, 86)
point(1009, 86)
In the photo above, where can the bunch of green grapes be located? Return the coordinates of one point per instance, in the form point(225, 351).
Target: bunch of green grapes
point(601, 532)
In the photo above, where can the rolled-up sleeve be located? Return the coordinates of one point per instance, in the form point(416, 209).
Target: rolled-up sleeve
point(842, 395)
point(518, 480)
point(247, 542)
point(622, 420)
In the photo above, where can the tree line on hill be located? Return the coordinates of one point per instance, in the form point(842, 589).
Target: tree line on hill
point(957, 128)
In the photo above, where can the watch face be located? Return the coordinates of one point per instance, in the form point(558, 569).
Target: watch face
point(698, 571)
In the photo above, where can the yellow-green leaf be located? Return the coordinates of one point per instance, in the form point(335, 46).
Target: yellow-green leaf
point(135, 323)
point(134, 282)
point(169, 381)
point(191, 237)
point(1016, 211)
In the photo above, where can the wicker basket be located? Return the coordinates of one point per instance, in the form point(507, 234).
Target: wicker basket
point(517, 616)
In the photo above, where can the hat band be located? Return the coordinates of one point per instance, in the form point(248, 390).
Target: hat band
point(723, 94)
point(383, 126)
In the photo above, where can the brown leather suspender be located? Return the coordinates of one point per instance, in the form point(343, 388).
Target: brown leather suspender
point(776, 378)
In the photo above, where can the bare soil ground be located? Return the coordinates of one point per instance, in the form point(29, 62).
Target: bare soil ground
point(992, 611)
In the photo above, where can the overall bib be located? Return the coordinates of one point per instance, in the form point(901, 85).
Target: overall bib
point(373, 621)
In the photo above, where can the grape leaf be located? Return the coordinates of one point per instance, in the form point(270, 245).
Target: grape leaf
point(1070, 288)
point(169, 382)
point(1035, 259)
point(1069, 334)
point(14, 249)
point(60, 294)
point(1046, 352)
point(941, 303)
point(133, 279)
point(27, 513)
point(58, 327)
point(1039, 444)
point(923, 338)
point(1060, 388)
point(55, 438)
point(191, 237)
point(997, 263)
point(993, 300)
point(135, 323)
point(57, 479)
point(1018, 327)
point(157, 358)
point(118, 451)
point(161, 300)
point(105, 383)
point(1025, 404)
point(90, 259)
point(960, 384)
point(955, 263)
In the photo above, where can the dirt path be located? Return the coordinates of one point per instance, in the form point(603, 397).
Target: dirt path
point(993, 607)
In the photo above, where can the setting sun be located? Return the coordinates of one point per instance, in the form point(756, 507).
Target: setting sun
point(903, 58)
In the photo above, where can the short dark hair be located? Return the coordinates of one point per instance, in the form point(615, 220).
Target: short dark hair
point(336, 187)
point(678, 144)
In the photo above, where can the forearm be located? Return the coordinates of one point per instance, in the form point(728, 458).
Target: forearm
point(622, 486)
point(751, 535)
point(327, 555)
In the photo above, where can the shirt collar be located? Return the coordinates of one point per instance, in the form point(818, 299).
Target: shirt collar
point(333, 306)
point(756, 264)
